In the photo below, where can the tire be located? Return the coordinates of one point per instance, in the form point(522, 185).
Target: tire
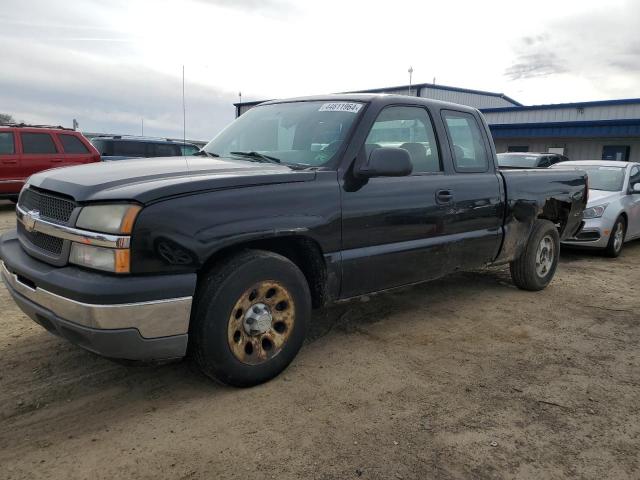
point(537, 264)
point(13, 200)
point(616, 239)
point(250, 318)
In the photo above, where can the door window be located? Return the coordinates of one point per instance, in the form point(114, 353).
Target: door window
point(165, 150)
point(72, 144)
point(6, 143)
point(127, 148)
point(469, 152)
point(188, 149)
point(634, 176)
point(408, 128)
point(40, 143)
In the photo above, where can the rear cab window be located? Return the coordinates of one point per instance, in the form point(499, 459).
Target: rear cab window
point(7, 145)
point(37, 143)
point(467, 144)
point(72, 144)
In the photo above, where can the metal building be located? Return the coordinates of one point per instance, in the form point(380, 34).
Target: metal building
point(465, 96)
point(607, 129)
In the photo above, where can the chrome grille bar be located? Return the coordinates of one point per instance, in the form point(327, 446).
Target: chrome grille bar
point(33, 223)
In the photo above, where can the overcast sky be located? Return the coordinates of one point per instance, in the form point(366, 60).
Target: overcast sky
point(110, 63)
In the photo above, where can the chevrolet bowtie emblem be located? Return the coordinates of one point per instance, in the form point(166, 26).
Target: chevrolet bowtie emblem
point(29, 220)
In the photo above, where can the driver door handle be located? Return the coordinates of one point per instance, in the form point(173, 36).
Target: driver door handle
point(444, 197)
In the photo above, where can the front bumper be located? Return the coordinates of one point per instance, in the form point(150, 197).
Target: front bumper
point(135, 318)
point(594, 234)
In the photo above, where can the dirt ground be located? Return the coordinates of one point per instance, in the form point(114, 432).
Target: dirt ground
point(466, 377)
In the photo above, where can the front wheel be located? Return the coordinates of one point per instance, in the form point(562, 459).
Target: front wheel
point(537, 264)
point(250, 318)
point(616, 239)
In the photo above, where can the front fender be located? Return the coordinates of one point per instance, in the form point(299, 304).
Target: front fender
point(181, 234)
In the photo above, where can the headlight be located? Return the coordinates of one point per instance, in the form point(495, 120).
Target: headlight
point(100, 258)
point(117, 218)
point(114, 219)
point(594, 212)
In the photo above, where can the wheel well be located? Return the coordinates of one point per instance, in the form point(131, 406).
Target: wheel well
point(303, 251)
point(626, 219)
point(557, 212)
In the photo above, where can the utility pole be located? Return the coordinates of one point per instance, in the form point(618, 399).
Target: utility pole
point(142, 127)
point(410, 77)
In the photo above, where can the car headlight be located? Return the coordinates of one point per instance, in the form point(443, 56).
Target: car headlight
point(594, 212)
point(116, 219)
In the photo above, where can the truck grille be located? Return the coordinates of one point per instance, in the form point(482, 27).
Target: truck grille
point(49, 244)
point(52, 207)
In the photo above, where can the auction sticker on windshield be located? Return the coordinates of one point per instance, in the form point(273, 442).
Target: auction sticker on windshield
point(340, 107)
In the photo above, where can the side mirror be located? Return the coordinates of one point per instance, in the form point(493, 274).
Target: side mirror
point(387, 162)
point(635, 188)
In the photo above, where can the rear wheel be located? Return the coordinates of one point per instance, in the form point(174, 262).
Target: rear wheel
point(250, 318)
point(616, 239)
point(537, 264)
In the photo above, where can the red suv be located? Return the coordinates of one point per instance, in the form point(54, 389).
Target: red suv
point(27, 149)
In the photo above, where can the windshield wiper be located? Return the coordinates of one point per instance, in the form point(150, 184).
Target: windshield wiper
point(269, 159)
point(208, 154)
point(257, 156)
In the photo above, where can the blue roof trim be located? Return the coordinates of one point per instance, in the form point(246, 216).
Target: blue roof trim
point(589, 129)
point(552, 106)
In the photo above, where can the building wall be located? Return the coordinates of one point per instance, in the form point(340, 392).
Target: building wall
point(575, 149)
point(569, 114)
point(475, 100)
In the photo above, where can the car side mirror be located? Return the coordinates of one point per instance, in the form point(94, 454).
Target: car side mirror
point(635, 188)
point(387, 162)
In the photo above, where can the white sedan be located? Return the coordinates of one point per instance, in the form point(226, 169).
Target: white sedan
point(612, 216)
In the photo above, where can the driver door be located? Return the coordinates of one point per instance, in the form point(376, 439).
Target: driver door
point(392, 227)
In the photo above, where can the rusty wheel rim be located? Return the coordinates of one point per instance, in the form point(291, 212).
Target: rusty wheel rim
point(261, 322)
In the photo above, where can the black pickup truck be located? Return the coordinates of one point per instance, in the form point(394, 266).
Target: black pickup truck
point(296, 204)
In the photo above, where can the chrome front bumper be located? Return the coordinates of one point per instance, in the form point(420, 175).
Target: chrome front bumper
point(160, 318)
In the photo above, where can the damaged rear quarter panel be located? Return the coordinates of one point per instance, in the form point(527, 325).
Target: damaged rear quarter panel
point(560, 198)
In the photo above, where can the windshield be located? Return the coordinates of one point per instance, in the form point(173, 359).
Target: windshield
point(524, 161)
point(307, 133)
point(609, 179)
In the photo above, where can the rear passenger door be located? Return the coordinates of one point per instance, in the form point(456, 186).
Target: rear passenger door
point(476, 220)
point(75, 151)
point(39, 152)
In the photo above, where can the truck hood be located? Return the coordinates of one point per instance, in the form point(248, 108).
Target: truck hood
point(151, 179)
point(598, 197)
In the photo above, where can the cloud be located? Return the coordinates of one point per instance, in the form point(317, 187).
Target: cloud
point(261, 6)
point(57, 85)
point(596, 45)
point(536, 59)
